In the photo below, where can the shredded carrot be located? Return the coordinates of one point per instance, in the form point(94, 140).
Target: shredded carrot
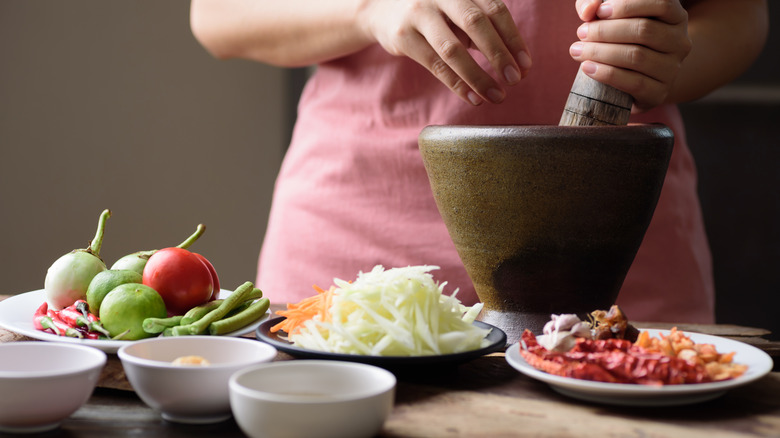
point(304, 310)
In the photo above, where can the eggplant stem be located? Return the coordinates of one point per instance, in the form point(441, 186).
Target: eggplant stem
point(97, 242)
point(195, 236)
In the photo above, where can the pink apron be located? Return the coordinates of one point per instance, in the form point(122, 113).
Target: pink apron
point(352, 192)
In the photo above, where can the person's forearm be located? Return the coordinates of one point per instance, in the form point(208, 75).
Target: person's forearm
point(289, 33)
point(727, 36)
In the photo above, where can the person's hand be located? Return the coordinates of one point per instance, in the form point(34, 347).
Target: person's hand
point(636, 46)
point(438, 33)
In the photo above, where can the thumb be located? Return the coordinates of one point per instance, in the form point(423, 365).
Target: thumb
point(586, 9)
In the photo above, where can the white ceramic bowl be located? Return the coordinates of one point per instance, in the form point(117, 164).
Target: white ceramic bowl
point(43, 383)
point(305, 398)
point(189, 394)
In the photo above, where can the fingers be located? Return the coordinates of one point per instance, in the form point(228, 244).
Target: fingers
point(450, 58)
point(587, 9)
point(490, 29)
point(667, 11)
point(636, 46)
point(438, 34)
point(630, 57)
point(510, 48)
point(646, 32)
point(642, 73)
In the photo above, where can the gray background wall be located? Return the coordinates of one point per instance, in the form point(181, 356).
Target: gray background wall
point(112, 104)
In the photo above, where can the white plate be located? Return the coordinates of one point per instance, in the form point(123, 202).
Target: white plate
point(16, 315)
point(759, 364)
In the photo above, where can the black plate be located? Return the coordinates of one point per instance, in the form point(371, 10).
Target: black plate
point(496, 337)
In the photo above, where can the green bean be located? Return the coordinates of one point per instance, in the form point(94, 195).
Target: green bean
point(240, 319)
point(255, 294)
point(158, 325)
point(199, 312)
point(236, 298)
point(181, 330)
point(238, 309)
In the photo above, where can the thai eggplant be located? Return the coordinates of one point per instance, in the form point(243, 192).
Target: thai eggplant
point(69, 276)
point(137, 260)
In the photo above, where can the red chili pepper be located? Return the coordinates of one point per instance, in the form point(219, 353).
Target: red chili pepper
point(47, 323)
point(71, 317)
point(39, 315)
point(73, 321)
point(67, 329)
point(55, 322)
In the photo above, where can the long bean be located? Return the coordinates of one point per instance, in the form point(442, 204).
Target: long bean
point(240, 308)
point(240, 319)
point(199, 312)
point(237, 297)
point(179, 330)
point(158, 325)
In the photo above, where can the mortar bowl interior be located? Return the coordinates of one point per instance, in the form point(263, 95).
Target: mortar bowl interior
point(546, 219)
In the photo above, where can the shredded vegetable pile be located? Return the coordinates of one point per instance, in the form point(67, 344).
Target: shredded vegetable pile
point(394, 312)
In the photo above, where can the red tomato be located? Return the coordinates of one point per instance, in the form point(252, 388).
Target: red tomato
point(214, 277)
point(181, 278)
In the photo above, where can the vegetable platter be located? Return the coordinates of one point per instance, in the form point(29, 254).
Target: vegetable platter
point(16, 315)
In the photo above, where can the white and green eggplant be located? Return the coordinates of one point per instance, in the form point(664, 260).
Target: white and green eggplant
point(69, 276)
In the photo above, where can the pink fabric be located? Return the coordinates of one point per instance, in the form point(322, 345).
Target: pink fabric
point(352, 191)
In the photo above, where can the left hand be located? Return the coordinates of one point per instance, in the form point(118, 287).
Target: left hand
point(636, 46)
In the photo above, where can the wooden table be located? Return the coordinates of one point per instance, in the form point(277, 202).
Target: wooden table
point(483, 398)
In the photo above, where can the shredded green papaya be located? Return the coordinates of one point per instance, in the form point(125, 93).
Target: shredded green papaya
point(394, 312)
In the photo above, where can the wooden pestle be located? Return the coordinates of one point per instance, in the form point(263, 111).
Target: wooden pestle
point(592, 103)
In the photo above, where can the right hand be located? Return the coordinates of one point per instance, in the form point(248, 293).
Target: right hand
point(637, 46)
point(437, 34)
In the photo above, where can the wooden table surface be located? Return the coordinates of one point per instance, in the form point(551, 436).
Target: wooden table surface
point(482, 398)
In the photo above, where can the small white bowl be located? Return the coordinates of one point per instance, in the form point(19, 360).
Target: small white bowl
point(305, 398)
point(189, 394)
point(43, 383)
